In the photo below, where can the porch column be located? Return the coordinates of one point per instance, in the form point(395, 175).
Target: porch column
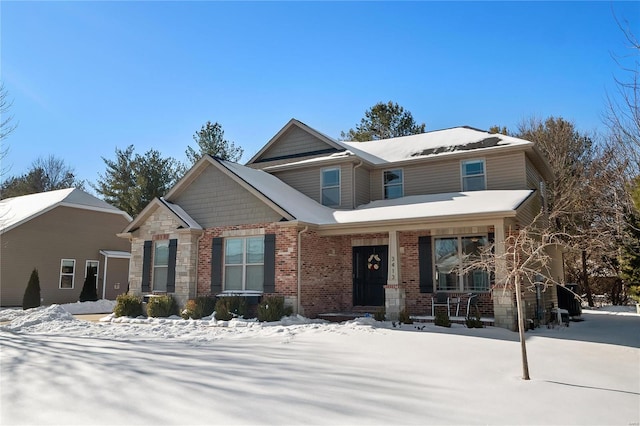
point(503, 307)
point(394, 293)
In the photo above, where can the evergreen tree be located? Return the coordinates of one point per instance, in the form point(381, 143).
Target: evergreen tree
point(210, 140)
point(133, 180)
point(31, 298)
point(384, 121)
point(89, 291)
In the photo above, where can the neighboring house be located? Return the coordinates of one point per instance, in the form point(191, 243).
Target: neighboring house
point(339, 226)
point(65, 235)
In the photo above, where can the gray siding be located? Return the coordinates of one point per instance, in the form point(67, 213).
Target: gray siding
point(363, 186)
point(506, 171)
point(308, 181)
point(62, 233)
point(294, 141)
point(214, 199)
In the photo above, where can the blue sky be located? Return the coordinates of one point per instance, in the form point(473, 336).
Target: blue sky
point(87, 77)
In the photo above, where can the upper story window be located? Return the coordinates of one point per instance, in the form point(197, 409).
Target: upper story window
point(393, 184)
point(244, 264)
point(473, 175)
point(331, 187)
point(67, 272)
point(160, 265)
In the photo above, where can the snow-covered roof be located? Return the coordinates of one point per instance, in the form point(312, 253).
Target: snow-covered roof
point(17, 210)
point(305, 209)
point(423, 145)
point(181, 214)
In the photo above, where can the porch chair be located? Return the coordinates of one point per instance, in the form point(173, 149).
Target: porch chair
point(471, 301)
point(455, 301)
point(440, 299)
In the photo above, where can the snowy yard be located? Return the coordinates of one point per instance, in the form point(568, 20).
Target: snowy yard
point(56, 369)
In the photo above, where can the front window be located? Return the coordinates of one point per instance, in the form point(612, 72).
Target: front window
point(160, 265)
point(331, 187)
point(393, 184)
point(449, 255)
point(473, 175)
point(244, 264)
point(67, 269)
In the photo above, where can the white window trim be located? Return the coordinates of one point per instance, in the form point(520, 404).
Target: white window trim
point(339, 186)
point(244, 265)
point(473, 160)
point(460, 288)
point(401, 183)
point(73, 275)
point(86, 266)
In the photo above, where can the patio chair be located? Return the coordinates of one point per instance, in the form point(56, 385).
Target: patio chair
point(455, 301)
point(440, 299)
point(472, 301)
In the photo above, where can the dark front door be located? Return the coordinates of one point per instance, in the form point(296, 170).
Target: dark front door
point(369, 275)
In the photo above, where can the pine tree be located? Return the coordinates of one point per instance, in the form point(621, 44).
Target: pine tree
point(89, 291)
point(31, 297)
point(384, 121)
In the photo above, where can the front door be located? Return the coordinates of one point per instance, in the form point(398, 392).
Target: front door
point(369, 275)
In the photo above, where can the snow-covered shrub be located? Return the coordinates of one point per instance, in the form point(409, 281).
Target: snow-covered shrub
point(380, 314)
point(404, 317)
point(128, 305)
point(230, 307)
point(442, 319)
point(162, 306)
point(31, 298)
point(201, 306)
point(272, 308)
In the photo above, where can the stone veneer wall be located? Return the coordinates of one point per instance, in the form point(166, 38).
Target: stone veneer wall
point(162, 225)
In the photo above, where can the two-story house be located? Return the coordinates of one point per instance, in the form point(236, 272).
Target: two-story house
point(334, 226)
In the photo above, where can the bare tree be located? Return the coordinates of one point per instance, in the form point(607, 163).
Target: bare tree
point(520, 263)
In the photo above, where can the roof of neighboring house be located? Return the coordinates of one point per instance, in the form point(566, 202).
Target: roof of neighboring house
point(18, 210)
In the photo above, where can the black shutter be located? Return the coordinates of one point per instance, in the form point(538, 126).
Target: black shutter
point(171, 272)
point(425, 264)
point(269, 263)
point(216, 265)
point(146, 267)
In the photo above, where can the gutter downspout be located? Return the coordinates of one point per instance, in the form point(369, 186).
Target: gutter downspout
point(104, 275)
point(306, 228)
point(353, 185)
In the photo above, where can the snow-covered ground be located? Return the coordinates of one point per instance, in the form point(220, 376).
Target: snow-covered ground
point(56, 369)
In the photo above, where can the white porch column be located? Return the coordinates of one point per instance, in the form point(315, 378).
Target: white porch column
point(503, 307)
point(394, 293)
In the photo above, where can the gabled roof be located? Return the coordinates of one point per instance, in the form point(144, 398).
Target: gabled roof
point(177, 211)
point(332, 143)
point(18, 210)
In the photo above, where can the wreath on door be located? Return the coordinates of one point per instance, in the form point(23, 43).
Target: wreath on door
point(373, 263)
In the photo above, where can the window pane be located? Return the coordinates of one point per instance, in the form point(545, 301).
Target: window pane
point(476, 281)
point(160, 278)
point(474, 168)
point(446, 256)
point(161, 256)
point(330, 177)
point(66, 281)
point(233, 278)
point(475, 183)
point(233, 251)
point(255, 250)
point(394, 191)
point(331, 196)
point(255, 277)
point(392, 177)
point(67, 266)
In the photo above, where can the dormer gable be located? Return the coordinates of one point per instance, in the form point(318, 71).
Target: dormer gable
point(295, 141)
